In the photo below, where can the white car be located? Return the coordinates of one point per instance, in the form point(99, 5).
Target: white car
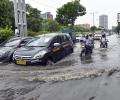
point(97, 36)
point(78, 38)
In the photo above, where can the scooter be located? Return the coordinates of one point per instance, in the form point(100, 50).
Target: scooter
point(104, 44)
point(86, 51)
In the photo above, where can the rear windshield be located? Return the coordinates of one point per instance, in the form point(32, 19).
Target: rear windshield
point(11, 43)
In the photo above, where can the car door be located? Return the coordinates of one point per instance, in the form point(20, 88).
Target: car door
point(65, 44)
point(56, 50)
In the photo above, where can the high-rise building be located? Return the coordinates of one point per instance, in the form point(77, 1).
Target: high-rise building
point(103, 21)
point(118, 17)
point(47, 15)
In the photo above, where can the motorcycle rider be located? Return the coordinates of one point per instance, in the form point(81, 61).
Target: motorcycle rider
point(91, 39)
point(88, 44)
point(103, 40)
point(82, 39)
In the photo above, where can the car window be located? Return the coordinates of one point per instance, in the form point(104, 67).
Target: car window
point(59, 40)
point(12, 43)
point(67, 38)
point(25, 41)
point(64, 38)
point(56, 39)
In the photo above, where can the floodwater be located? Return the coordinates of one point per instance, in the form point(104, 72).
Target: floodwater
point(25, 82)
point(101, 58)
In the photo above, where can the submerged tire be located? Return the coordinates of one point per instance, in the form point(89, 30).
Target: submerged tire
point(49, 62)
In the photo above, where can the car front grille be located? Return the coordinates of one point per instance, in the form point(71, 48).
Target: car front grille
point(17, 57)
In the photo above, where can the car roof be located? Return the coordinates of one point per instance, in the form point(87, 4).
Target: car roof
point(13, 38)
point(51, 34)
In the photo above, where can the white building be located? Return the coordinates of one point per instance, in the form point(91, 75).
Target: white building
point(47, 15)
point(103, 21)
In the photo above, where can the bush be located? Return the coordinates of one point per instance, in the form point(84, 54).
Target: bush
point(31, 33)
point(5, 33)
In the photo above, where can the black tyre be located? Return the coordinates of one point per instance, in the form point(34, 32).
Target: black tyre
point(47, 62)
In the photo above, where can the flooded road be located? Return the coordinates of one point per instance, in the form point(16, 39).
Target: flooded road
point(30, 82)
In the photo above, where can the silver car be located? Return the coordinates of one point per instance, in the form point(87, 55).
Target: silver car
point(8, 47)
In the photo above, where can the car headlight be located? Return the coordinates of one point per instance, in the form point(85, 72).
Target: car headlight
point(40, 54)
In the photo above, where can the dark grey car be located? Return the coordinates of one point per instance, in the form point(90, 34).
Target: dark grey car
point(44, 49)
point(8, 47)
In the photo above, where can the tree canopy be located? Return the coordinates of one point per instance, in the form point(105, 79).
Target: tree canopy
point(34, 22)
point(6, 13)
point(50, 25)
point(93, 29)
point(68, 13)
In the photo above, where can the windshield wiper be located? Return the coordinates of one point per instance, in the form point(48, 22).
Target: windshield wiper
point(7, 46)
point(35, 46)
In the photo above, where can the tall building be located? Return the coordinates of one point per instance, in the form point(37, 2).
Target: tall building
point(103, 21)
point(47, 15)
point(118, 17)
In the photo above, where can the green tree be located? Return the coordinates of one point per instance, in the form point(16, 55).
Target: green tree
point(6, 13)
point(93, 29)
point(80, 28)
point(5, 33)
point(34, 22)
point(68, 13)
point(50, 26)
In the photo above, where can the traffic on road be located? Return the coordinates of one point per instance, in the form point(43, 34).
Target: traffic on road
point(32, 81)
point(46, 49)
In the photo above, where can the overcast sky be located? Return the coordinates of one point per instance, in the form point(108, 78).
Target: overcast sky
point(108, 7)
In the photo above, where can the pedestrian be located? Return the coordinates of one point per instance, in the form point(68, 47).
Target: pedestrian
point(17, 33)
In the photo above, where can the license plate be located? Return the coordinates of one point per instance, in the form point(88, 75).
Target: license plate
point(21, 62)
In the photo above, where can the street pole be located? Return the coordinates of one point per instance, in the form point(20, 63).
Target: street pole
point(93, 14)
point(20, 17)
point(93, 19)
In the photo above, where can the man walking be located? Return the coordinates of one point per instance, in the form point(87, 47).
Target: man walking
point(17, 33)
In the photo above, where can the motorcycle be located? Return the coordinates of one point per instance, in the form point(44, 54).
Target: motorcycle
point(86, 50)
point(104, 44)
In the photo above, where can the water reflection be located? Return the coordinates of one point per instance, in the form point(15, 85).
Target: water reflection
point(103, 54)
point(86, 60)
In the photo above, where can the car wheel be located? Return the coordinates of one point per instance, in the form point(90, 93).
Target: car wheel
point(71, 51)
point(11, 58)
point(49, 62)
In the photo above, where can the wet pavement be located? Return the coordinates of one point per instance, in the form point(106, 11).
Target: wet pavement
point(95, 76)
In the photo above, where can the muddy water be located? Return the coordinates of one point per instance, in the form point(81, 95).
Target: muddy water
point(18, 81)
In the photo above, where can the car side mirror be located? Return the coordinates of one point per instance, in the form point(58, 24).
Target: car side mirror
point(56, 44)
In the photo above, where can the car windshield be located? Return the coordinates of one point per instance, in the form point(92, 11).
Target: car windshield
point(11, 43)
point(39, 42)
